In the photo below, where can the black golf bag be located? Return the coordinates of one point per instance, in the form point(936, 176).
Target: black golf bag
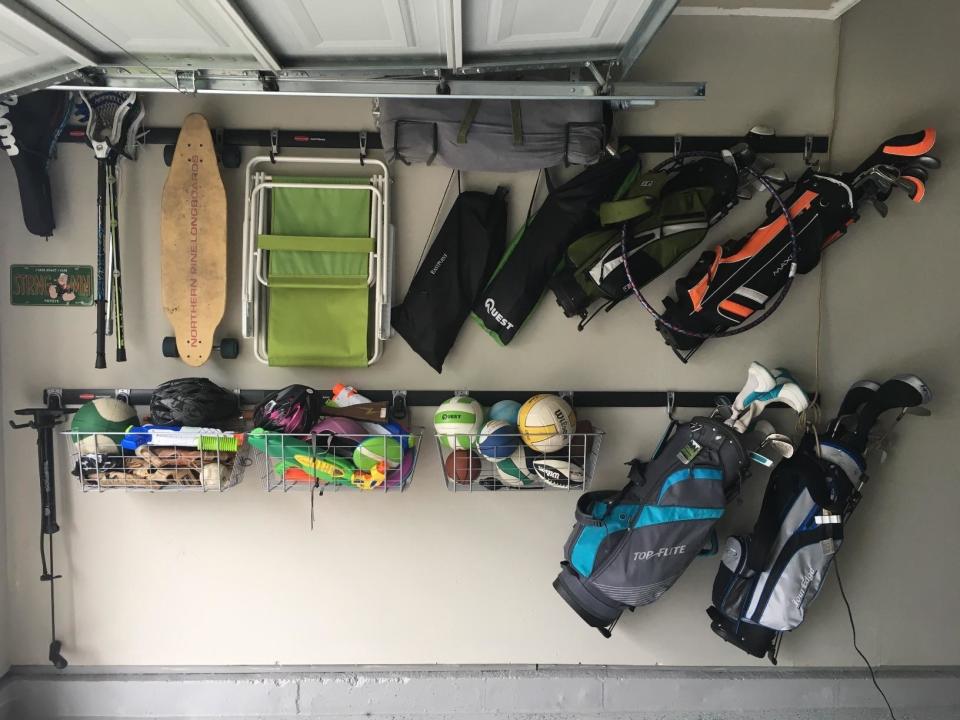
point(535, 253)
point(767, 579)
point(668, 212)
point(731, 284)
point(628, 547)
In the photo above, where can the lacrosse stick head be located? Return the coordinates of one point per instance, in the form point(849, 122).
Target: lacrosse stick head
point(106, 127)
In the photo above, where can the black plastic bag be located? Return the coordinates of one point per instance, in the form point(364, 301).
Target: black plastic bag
point(569, 212)
point(457, 267)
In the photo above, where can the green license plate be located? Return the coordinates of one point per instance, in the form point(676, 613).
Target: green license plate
point(55, 285)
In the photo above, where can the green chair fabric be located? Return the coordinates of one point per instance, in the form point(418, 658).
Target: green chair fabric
point(319, 300)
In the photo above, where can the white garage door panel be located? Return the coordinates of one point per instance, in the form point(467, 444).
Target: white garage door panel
point(545, 26)
point(305, 31)
point(28, 56)
point(154, 29)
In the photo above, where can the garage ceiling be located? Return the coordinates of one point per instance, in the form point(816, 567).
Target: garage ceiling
point(478, 48)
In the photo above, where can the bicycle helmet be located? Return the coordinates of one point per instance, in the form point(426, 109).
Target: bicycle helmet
point(193, 402)
point(290, 410)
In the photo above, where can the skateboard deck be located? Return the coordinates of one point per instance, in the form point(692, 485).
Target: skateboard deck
point(193, 242)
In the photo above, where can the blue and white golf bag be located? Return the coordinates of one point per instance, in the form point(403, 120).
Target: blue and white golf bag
point(627, 548)
point(767, 579)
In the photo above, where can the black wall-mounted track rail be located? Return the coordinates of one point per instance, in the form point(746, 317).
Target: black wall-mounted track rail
point(432, 398)
point(349, 140)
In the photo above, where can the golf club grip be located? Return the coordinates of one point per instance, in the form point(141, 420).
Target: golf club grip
point(101, 362)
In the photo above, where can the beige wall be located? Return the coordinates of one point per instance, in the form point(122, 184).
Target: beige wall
point(427, 576)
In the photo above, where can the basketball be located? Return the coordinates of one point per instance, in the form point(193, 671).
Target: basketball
point(545, 421)
point(513, 471)
point(506, 410)
point(98, 426)
point(462, 466)
point(376, 449)
point(457, 420)
point(497, 440)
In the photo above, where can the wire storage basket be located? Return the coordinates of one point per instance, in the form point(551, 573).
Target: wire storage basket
point(369, 462)
point(469, 463)
point(153, 460)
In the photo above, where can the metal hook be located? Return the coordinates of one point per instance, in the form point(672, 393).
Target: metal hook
point(677, 144)
point(808, 149)
point(363, 146)
point(274, 145)
point(671, 404)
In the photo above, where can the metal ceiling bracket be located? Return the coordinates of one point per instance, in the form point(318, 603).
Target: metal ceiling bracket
point(187, 81)
point(268, 81)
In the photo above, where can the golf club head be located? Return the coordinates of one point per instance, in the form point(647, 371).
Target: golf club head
point(779, 442)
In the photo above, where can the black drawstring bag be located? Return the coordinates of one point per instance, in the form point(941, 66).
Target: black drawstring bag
point(570, 211)
point(29, 128)
point(457, 267)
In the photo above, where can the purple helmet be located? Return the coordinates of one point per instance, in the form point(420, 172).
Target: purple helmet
point(290, 410)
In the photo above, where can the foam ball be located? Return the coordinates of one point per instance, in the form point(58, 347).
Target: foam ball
point(545, 422)
point(457, 420)
point(497, 440)
point(506, 410)
point(98, 425)
point(462, 466)
point(376, 449)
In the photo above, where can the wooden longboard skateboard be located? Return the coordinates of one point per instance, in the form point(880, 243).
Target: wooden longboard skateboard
point(193, 246)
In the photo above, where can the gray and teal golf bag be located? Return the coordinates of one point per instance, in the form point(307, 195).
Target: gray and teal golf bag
point(628, 547)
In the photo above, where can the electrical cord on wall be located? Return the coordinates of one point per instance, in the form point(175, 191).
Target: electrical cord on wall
point(853, 631)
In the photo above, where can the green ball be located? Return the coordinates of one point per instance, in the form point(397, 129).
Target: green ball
point(377, 449)
point(98, 425)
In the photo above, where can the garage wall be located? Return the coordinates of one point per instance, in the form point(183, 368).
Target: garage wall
point(426, 576)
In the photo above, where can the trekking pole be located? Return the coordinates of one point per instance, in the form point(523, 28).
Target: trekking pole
point(116, 279)
point(44, 421)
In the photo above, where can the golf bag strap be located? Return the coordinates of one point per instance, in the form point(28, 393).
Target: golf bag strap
point(584, 511)
point(618, 211)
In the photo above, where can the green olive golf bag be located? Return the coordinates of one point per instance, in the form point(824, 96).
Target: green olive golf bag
point(738, 284)
point(668, 211)
point(767, 579)
point(628, 547)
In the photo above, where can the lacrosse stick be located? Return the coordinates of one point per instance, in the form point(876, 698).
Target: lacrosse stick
point(112, 125)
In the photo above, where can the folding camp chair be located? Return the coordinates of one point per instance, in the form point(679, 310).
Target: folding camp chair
point(317, 265)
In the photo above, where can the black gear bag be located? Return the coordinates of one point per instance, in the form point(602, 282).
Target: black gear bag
point(457, 267)
point(627, 548)
point(29, 128)
point(534, 255)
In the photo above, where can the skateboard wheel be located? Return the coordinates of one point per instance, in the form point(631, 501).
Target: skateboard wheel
point(229, 348)
point(170, 347)
point(168, 151)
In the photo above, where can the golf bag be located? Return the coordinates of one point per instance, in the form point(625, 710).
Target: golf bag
point(668, 212)
point(734, 282)
point(494, 135)
point(627, 548)
point(458, 265)
point(767, 580)
point(29, 129)
point(536, 251)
